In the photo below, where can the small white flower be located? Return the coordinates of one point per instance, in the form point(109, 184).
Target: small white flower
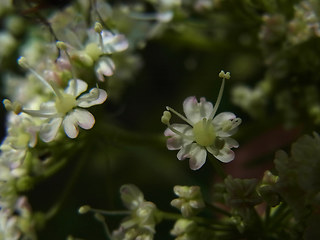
point(113, 42)
point(8, 225)
point(66, 110)
point(22, 132)
point(104, 67)
point(203, 132)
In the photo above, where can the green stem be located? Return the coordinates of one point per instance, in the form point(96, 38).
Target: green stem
point(101, 219)
point(110, 213)
point(279, 215)
point(114, 134)
point(267, 216)
point(199, 220)
point(217, 166)
point(53, 169)
point(217, 209)
point(53, 211)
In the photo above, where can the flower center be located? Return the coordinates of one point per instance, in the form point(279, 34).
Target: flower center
point(93, 50)
point(65, 103)
point(22, 140)
point(204, 133)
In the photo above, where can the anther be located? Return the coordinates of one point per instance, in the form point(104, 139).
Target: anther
point(165, 119)
point(7, 104)
point(22, 61)
point(222, 74)
point(84, 209)
point(98, 27)
point(61, 45)
point(15, 107)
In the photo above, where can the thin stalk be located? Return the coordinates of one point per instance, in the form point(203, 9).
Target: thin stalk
point(109, 213)
point(53, 211)
point(198, 220)
point(217, 209)
point(217, 166)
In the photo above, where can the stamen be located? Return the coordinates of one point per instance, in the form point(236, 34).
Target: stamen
point(161, 17)
point(179, 115)
point(98, 28)
point(61, 45)
point(23, 63)
point(101, 219)
point(39, 113)
point(86, 208)
point(15, 107)
point(215, 108)
point(165, 119)
point(93, 95)
point(180, 133)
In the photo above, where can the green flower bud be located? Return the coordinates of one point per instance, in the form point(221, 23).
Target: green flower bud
point(190, 200)
point(24, 183)
point(131, 196)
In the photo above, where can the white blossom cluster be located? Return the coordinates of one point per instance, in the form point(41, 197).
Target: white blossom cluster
point(67, 70)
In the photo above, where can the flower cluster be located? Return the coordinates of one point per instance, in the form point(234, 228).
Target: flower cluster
point(142, 220)
point(203, 132)
point(190, 200)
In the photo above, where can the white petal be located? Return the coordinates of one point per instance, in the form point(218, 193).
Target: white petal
point(226, 124)
point(84, 118)
point(70, 125)
point(198, 156)
point(184, 152)
point(104, 67)
point(94, 97)
point(225, 155)
point(114, 42)
point(49, 130)
point(33, 135)
point(165, 16)
point(175, 141)
point(76, 87)
point(222, 117)
point(231, 143)
point(195, 111)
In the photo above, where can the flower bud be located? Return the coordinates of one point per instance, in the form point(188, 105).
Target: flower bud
point(98, 27)
point(61, 45)
point(182, 226)
point(84, 209)
point(131, 196)
point(22, 61)
point(190, 200)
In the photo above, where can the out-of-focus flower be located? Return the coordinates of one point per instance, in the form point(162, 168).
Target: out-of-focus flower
point(67, 109)
point(142, 220)
point(190, 200)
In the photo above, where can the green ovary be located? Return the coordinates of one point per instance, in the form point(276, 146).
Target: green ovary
point(66, 103)
point(23, 139)
point(204, 133)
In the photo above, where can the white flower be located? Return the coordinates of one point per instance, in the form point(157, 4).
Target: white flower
point(113, 42)
point(22, 132)
point(104, 67)
point(68, 110)
point(203, 132)
point(142, 220)
point(8, 225)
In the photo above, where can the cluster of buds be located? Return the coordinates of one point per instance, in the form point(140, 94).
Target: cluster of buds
point(190, 200)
